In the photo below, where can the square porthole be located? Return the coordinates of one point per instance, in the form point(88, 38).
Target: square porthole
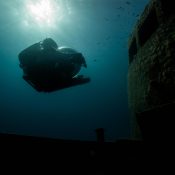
point(168, 7)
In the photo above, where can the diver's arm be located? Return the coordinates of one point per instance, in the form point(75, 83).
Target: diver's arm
point(26, 55)
point(34, 47)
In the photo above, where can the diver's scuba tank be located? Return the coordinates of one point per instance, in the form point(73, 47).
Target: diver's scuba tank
point(74, 58)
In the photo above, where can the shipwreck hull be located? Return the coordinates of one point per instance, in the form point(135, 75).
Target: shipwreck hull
point(151, 72)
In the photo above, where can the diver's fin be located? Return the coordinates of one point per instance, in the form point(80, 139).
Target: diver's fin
point(53, 85)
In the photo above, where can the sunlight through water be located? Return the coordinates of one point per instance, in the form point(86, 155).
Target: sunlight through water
point(44, 13)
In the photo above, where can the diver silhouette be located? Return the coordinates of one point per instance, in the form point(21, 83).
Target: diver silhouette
point(48, 67)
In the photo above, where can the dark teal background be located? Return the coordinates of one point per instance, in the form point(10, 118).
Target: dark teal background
point(100, 30)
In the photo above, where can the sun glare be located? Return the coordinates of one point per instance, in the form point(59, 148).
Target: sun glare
point(44, 12)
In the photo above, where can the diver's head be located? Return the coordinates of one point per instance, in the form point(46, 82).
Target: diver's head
point(49, 44)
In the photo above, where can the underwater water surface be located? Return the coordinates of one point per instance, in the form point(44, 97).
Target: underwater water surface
point(99, 29)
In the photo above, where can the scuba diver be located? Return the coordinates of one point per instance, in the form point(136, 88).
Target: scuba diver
point(45, 64)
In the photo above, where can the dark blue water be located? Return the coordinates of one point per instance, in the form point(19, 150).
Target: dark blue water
point(97, 28)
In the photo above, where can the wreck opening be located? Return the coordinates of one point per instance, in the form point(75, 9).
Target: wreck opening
point(148, 27)
point(132, 50)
